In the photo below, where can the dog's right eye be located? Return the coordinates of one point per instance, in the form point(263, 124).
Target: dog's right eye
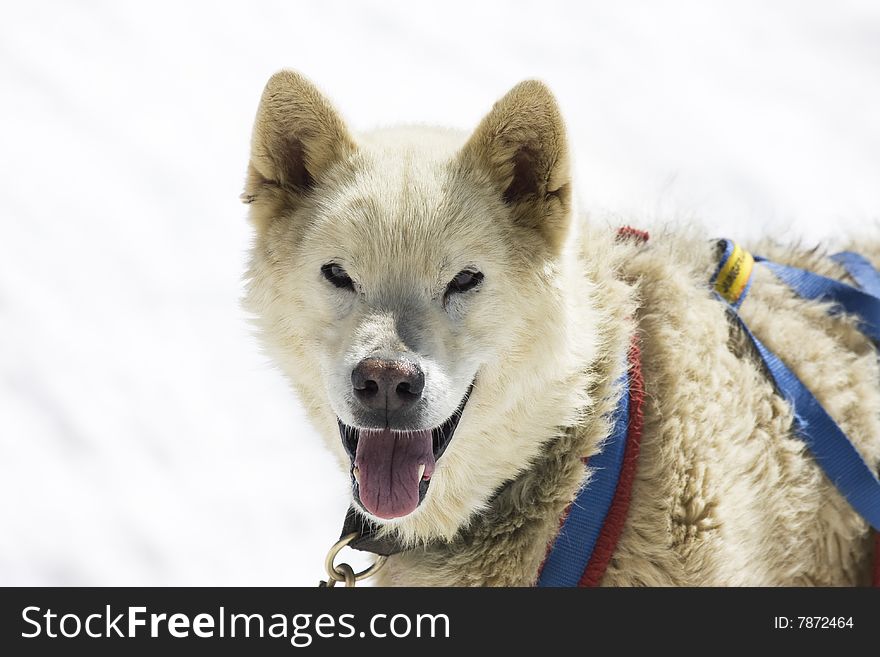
point(336, 275)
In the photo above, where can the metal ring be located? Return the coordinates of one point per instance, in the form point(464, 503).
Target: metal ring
point(340, 573)
point(347, 573)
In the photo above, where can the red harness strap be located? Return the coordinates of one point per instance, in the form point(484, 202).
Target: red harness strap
point(616, 517)
point(627, 232)
point(877, 559)
point(608, 532)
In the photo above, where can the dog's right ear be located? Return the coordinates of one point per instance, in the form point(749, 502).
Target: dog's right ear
point(298, 136)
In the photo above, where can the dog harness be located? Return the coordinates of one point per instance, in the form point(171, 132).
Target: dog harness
point(594, 520)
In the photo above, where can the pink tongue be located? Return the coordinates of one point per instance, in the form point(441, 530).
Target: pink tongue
point(388, 463)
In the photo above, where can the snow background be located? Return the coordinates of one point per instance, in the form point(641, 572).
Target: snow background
point(143, 438)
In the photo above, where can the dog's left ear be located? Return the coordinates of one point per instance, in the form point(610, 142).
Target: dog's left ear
point(522, 147)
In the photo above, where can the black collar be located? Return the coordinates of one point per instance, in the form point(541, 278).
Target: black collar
point(368, 535)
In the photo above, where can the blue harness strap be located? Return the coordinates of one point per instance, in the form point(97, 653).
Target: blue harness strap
point(831, 447)
point(862, 304)
point(861, 270)
point(571, 552)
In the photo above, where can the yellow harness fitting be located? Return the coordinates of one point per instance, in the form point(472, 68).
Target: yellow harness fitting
point(734, 275)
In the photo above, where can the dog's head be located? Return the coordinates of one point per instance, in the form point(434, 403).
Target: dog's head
point(405, 282)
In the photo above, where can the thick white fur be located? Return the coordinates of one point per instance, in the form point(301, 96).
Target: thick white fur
point(724, 494)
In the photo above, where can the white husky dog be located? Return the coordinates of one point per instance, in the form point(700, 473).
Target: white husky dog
point(459, 348)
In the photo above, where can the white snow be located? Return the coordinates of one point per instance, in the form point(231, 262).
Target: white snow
point(143, 438)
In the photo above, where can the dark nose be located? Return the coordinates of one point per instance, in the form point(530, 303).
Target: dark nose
point(385, 384)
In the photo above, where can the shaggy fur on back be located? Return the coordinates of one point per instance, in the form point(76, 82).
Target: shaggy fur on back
point(724, 494)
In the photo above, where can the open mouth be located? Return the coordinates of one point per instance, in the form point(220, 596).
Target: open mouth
point(391, 470)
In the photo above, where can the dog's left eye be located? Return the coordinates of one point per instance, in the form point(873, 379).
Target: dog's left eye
point(336, 275)
point(464, 280)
